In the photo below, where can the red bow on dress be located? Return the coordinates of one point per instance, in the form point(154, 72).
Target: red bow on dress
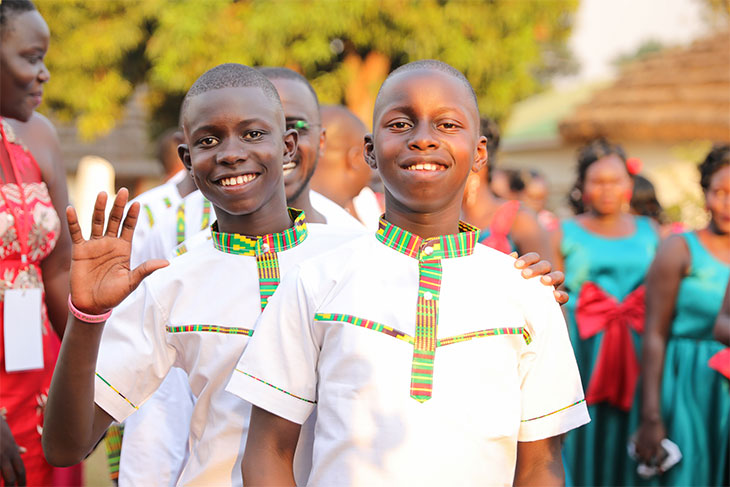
point(721, 362)
point(617, 368)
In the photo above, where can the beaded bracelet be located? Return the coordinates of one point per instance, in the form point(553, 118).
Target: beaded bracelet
point(87, 318)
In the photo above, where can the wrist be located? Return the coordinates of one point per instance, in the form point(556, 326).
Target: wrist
point(652, 417)
point(95, 317)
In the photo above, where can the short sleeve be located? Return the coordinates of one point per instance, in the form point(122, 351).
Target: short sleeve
point(278, 369)
point(551, 391)
point(134, 356)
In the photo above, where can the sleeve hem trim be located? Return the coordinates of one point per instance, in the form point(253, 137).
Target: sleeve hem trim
point(275, 387)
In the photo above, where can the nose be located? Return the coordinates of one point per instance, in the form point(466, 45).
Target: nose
point(44, 75)
point(232, 151)
point(422, 138)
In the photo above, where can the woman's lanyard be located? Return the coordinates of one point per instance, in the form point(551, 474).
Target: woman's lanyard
point(22, 229)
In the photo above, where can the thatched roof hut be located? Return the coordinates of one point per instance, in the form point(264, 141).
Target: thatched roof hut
point(674, 95)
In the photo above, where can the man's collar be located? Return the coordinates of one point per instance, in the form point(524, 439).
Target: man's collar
point(233, 243)
point(434, 248)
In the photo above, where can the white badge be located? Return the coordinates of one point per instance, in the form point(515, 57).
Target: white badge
point(23, 330)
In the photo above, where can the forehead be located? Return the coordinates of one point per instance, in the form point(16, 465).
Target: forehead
point(611, 163)
point(231, 105)
point(26, 28)
point(297, 99)
point(426, 90)
point(721, 177)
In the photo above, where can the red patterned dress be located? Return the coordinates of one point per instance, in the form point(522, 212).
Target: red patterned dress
point(23, 394)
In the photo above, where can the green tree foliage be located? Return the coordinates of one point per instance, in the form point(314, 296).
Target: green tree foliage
point(100, 50)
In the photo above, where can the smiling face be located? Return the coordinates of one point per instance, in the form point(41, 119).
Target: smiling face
point(717, 199)
point(24, 44)
point(607, 186)
point(235, 149)
point(425, 141)
point(302, 114)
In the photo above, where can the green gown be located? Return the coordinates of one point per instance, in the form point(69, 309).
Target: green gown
point(695, 399)
point(596, 454)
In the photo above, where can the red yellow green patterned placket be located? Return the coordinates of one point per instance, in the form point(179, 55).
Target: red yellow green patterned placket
point(180, 224)
point(429, 253)
point(265, 248)
point(205, 221)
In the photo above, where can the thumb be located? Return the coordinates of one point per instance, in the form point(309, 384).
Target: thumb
point(145, 269)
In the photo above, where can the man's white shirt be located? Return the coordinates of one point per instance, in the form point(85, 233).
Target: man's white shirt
point(196, 314)
point(341, 334)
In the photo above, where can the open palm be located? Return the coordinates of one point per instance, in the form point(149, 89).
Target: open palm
point(100, 274)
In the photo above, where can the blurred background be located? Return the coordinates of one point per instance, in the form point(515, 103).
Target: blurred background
point(653, 75)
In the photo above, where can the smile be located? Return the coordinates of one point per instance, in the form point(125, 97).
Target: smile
point(238, 180)
point(425, 166)
point(289, 167)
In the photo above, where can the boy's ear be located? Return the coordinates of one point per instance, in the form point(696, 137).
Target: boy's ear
point(368, 151)
point(184, 154)
point(481, 155)
point(291, 139)
point(322, 139)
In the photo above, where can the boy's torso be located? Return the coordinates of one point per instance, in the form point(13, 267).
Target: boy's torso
point(367, 378)
point(215, 299)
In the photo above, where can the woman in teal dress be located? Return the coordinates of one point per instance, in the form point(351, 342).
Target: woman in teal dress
point(605, 253)
point(683, 399)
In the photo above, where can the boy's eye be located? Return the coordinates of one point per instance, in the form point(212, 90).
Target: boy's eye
point(208, 141)
point(399, 125)
point(253, 135)
point(449, 125)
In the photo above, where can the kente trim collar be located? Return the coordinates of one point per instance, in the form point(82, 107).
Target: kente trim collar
point(435, 248)
point(233, 243)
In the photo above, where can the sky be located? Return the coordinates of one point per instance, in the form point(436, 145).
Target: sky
point(605, 29)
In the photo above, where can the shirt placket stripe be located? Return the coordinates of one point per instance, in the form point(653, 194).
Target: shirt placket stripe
point(424, 346)
point(180, 227)
point(269, 275)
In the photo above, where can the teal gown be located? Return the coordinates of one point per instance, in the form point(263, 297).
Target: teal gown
point(695, 399)
point(596, 454)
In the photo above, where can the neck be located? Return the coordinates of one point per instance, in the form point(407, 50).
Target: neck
point(607, 218)
point(272, 217)
point(425, 225)
point(302, 202)
point(186, 186)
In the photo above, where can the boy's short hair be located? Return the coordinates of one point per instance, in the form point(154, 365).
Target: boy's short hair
point(231, 75)
point(286, 73)
point(433, 65)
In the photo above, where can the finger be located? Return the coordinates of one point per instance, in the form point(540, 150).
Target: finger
point(527, 259)
point(115, 216)
point(145, 269)
point(537, 269)
point(19, 468)
point(556, 278)
point(561, 297)
point(130, 222)
point(513, 255)
point(97, 219)
point(73, 225)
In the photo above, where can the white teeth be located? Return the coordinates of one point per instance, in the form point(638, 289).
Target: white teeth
point(289, 166)
point(235, 180)
point(425, 166)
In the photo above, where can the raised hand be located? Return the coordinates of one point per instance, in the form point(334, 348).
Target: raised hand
point(100, 273)
point(533, 266)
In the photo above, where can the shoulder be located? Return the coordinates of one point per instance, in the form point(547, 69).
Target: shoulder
point(674, 253)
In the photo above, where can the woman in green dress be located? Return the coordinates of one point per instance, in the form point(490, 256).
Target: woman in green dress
point(606, 253)
point(682, 398)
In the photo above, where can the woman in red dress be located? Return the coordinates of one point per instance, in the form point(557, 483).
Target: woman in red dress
point(34, 241)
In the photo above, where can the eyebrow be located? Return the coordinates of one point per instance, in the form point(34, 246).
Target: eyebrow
point(243, 123)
